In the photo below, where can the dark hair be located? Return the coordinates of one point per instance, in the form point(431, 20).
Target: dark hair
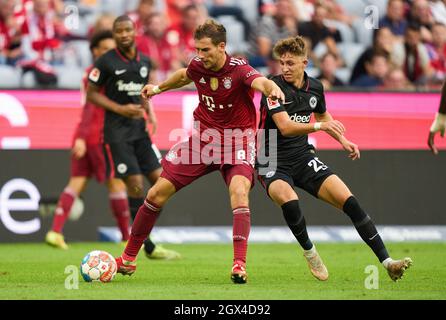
point(122, 18)
point(211, 29)
point(294, 45)
point(377, 54)
point(98, 37)
point(414, 26)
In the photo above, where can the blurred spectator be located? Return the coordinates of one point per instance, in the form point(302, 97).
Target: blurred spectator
point(142, 15)
point(155, 45)
point(383, 41)
point(181, 36)
point(316, 31)
point(305, 9)
point(12, 27)
point(437, 51)
point(328, 68)
point(175, 10)
point(266, 8)
point(221, 8)
point(395, 18)
point(377, 69)
point(103, 23)
point(337, 12)
point(271, 29)
point(44, 33)
point(438, 10)
point(42, 45)
point(420, 13)
point(412, 56)
point(395, 79)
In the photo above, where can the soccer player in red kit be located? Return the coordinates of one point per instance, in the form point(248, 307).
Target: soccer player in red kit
point(225, 88)
point(88, 160)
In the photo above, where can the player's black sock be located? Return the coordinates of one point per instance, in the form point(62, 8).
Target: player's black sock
point(134, 204)
point(296, 222)
point(366, 228)
point(149, 246)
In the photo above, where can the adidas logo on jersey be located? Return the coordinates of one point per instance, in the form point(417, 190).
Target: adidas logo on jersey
point(300, 119)
point(202, 81)
point(237, 62)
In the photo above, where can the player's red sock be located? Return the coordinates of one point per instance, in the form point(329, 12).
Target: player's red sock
point(240, 232)
point(143, 224)
point(63, 209)
point(120, 208)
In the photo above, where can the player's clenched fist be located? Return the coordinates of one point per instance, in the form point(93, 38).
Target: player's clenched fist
point(149, 91)
point(276, 93)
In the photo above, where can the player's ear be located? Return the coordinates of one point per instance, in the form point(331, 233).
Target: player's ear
point(222, 46)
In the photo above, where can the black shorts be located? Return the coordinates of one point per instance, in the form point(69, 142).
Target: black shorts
point(128, 158)
point(307, 173)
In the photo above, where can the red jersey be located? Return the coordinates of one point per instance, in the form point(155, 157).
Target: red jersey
point(159, 51)
point(226, 96)
point(90, 128)
point(11, 30)
point(182, 41)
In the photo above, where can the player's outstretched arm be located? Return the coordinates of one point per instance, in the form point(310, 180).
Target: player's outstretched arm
point(439, 123)
point(151, 116)
point(289, 128)
point(269, 88)
point(176, 80)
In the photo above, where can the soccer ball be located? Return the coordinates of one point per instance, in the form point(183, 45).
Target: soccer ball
point(98, 266)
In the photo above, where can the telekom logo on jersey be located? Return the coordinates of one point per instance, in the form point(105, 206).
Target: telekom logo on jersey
point(209, 101)
point(208, 148)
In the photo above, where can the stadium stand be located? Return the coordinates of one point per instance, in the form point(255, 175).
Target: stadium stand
point(352, 23)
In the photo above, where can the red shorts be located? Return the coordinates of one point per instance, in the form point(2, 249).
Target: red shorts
point(92, 164)
point(183, 164)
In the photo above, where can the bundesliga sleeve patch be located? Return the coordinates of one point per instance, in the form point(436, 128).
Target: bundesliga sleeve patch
point(272, 104)
point(94, 75)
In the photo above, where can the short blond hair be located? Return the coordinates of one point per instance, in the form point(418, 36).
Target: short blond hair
point(294, 45)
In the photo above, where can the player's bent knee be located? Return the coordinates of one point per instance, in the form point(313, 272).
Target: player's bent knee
point(239, 192)
point(281, 192)
point(160, 192)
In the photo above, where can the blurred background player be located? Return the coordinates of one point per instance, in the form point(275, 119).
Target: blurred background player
point(87, 159)
point(439, 123)
point(225, 88)
point(115, 84)
point(298, 165)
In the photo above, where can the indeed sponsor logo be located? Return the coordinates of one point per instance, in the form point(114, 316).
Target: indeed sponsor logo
point(300, 119)
point(131, 88)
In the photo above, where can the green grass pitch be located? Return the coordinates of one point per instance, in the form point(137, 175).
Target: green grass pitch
point(276, 272)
